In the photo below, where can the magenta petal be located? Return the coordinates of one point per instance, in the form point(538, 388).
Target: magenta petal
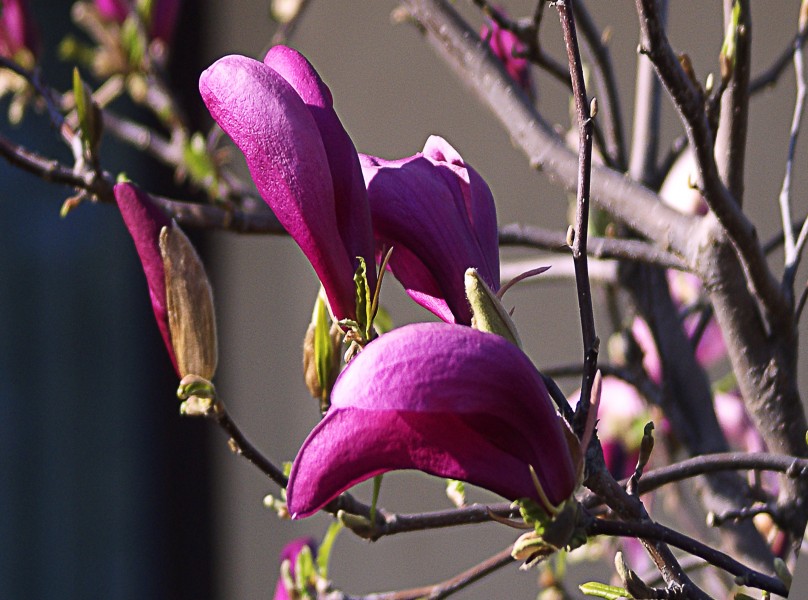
point(507, 47)
point(431, 205)
point(447, 400)
point(351, 204)
point(164, 19)
point(113, 10)
point(144, 222)
point(17, 28)
point(290, 552)
point(275, 130)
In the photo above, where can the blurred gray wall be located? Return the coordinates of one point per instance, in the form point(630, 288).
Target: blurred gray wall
point(391, 93)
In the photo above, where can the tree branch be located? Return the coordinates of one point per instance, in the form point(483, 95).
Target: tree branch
point(626, 200)
point(689, 101)
point(446, 588)
point(730, 144)
point(657, 532)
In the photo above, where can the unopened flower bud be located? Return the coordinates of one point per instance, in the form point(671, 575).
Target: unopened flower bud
point(488, 312)
point(189, 301)
point(321, 352)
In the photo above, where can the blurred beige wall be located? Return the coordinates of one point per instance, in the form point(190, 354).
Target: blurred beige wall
point(392, 93)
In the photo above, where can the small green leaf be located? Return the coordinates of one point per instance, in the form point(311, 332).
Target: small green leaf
point(132, 41)
point(88, 113)
point(728, 48)
point(72, 50)
point(601, 590)
point(456, 492)
point(145, 10)
point(304, 568)
point(324, 552)
point(364, 300)
point(323, 348)
point(383, 321)
point(199, 163)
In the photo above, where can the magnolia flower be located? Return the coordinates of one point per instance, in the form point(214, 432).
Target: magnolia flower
point(280, 114)
point(178, 287)
point(685, 289)
point(162, 19)
point(510, 50)
point(17, 30)
point(622, 414)
point(439, 216)
point(447, 400)
point(290, 553)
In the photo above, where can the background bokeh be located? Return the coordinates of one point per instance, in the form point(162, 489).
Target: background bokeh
point(107, 490)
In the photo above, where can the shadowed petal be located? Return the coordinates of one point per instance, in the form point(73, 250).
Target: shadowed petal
point(442, 213)
point(443, 399)
point(144, 222)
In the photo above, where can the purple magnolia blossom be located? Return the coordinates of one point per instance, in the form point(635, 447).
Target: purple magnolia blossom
point(510, 50)
point(685, 289)
point(440, 398)
point(621, 415)
point(17, 29)
point(163, 20)
point(439, 215)
point(290, 552)
point(144, 221)
point(280, 114)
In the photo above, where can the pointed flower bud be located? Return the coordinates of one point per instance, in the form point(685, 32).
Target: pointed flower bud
point(439, 216)
point(510, 50)
point(189, 300)
point(280, 114)
point(321, 353)
point(447, 400)
point(178, 287)
point(18, 32)
point(488, 312)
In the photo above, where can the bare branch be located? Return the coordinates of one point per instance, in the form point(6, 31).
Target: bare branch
point(655, 531)
point(689, 101)
point(626, 200)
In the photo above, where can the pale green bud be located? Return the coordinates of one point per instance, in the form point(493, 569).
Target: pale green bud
point(488, 312)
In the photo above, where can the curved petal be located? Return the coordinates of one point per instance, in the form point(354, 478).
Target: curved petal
point(443, 399)
point(350, 197)
point(479, 202)
point(425, 204)
point(274, 129)
point(144, 222)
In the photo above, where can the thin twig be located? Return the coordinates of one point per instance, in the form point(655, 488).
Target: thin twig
point(605, 78)
point(793, 248)
point(647, 115)
point(460, 46)
point(516, 234)
point(655, 531)
point(689, 101)
point(584, 118)
point(772, 74)
point(446, 588)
